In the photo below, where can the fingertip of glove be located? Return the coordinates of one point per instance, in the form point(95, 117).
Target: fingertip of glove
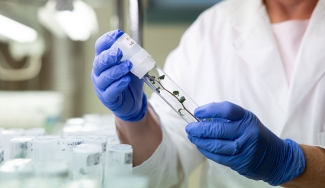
point(107, 40)
point(115, 34)
point(128, 64)
point(190, 128)
point(126, 80)
point(116, 53)
point(190, 138)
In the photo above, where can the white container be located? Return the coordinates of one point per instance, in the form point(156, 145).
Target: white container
point(50, 174)
point(118, 163)
point(5, 136)
point(67, 146)
point(1, 156)
point(86, 162)
point(51, 169)
point(46, 148)
point(118, 160)
point(21, 147)
point(16, 169)
point(101, 142)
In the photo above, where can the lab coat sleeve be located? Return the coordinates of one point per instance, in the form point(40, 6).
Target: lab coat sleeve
point(175, 158)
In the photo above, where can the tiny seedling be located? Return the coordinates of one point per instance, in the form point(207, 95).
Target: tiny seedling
point(182, 99)
point(175, 93)
point(179, 111)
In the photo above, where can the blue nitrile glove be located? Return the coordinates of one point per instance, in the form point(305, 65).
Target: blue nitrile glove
point(116, 87)
point(235, 137)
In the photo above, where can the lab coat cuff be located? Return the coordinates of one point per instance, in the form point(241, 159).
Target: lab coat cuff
point(154, 161)
point(321, 146)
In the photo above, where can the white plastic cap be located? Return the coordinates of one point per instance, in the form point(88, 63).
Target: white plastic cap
point(35, 132)
point(74, 121)
point(72, 130)
point(13, 132)
point(100, 141)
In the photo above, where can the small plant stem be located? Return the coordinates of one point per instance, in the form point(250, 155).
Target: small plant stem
point(172, 95)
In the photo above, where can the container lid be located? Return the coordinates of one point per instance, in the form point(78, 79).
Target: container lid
point(35, 132)
point(87, 149)
point(46, 148)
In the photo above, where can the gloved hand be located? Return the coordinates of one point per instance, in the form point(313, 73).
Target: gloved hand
point(234, 137)
point(116, 87)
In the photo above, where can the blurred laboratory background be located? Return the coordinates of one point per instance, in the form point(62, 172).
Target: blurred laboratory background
point(46, 55)
point(47, 50)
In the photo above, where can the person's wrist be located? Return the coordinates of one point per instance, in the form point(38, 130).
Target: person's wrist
point(291, 163)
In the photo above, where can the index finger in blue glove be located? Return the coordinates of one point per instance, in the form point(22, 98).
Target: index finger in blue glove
point(106, 59)
point(107, 77)
point(217, 146)
point(107, 40)
point(214, 129)
point(224, 110)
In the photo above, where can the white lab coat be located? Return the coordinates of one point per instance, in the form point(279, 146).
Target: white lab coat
point(230, 54)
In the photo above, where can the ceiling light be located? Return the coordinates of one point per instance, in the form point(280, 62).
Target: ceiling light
point(16, 31)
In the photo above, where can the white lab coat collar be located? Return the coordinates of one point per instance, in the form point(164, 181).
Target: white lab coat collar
point(256, 45)
point(310, 63)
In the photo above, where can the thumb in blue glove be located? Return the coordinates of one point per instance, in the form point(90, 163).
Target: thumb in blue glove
point(236, 138)
point(116, 87)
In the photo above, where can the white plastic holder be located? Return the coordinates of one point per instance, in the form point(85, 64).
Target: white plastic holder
point(139, 57)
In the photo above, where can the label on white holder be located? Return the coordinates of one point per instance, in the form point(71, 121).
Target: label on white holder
point(128, 42)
